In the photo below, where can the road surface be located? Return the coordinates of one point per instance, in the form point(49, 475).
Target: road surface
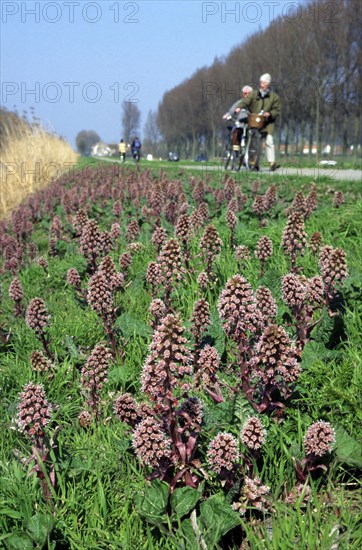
point(314, 173)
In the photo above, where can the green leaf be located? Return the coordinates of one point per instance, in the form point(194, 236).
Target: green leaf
point(39, 527)
point(295, 450)
point(217, 518)
point(130, 326)
point(187, 533)
point(323, 331)
point(316, 352)
point(184, 499)
point(153, 503)
point(19, 541)
point(10, 513)
point(347, 449)
point(71, 348)
point(217, 334)
point(242, 410)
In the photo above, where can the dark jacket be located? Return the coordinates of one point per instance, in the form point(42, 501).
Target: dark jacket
point(270, 103)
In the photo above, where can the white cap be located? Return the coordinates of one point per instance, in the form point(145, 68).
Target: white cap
point(265, 78)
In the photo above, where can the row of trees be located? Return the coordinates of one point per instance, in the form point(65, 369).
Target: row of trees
point(314, 56)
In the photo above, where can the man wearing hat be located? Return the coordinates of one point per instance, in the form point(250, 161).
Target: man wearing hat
point(267, 102)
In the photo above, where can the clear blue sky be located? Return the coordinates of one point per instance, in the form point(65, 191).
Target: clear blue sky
point(75, 62)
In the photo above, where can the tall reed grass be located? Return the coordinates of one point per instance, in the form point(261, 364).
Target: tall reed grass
point(30, 158)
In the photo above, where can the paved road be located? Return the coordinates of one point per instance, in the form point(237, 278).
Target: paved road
point(314, 173)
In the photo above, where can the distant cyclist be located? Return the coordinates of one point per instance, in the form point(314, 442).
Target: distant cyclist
point(264, 101)
point(136, 148)
point(122, 148)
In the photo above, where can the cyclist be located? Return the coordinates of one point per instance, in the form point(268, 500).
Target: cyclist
point(238, 131)
point(240, 114)
point(122, 148)
point(136, 148)
point(267, 102)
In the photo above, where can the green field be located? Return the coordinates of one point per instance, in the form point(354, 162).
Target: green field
point(77, 482)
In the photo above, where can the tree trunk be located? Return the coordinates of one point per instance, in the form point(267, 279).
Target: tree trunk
point(345, 134)
point(286, 144)
point(301, 137)
point(356, 135)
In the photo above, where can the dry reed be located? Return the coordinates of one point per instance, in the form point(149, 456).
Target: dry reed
point(30, 158)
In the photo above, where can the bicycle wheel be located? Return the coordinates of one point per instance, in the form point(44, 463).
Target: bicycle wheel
point(228, 157)
point(252, 151)
point(241, 158)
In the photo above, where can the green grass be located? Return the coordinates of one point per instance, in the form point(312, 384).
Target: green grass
point(100, 483)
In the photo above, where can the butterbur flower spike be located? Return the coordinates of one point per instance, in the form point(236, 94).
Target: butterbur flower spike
point(302, 494)
point(151, 444)
point(115, 231)
point(34, 416)
point(242, 255)
point(334, 271)
point(159, 237)
point(253, 495)
point(266, 304)
point(294, 238)
point(16, 293)
point(38, 319)
point(133, 231)
point(125, 261)
point(126, 409)
point(158, 310)
point(40, 363)
point(237, 309)
point(154, 277)
point(91, 244)
point(37, 316)
point(223, 453)
point(200, 319)
point(232, 222)
point(273, 369)
point(85, 419)
point(319, 439)
point(263, 252)
point(338, 199)
point(206, 372)
point(253, 434)
point(203, 281)
point(171, 268)
point(74, 280)
point(34, 412)
point(259, 207)
point(168, 362)
point(183, 232)
point(94, 376)
point(100, 296)
point(108, 268)
point(315, 242)
point(210, 245)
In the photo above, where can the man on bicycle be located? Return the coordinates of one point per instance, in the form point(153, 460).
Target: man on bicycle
point(136, 148)
point(266, 102)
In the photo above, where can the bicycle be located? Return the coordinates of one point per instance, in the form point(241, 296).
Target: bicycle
point(256, 123)
point(235, 144)
point(136, 153)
